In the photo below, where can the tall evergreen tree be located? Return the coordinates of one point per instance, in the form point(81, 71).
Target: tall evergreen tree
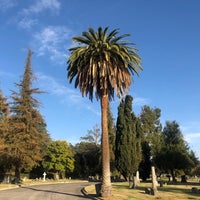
point(4, 131)
point(174, 154)
point(120, 160)
point(128, 143)
point(28, 136)
point(151, 138)
point(4, 119)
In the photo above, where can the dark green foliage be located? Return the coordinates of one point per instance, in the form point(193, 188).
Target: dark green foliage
point(174, 154)
point(145, 165)
point(87, 160)
point(128, 143)
point(172, 135)
point(150, 119)
point(37, 171)
point(194, 158)
point(151, 138)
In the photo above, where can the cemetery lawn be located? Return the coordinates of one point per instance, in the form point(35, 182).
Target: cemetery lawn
point(121, 191)
point(7, 186)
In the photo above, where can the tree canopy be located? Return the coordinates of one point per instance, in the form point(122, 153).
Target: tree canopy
point(27, 137)
point(174, 154)
point(59, 157)
point(128, 139)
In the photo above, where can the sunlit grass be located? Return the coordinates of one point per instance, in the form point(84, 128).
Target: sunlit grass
point(3, 186)
point(121, 191)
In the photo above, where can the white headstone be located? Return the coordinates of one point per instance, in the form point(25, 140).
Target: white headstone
point(154, 181)
point(44, 176)
point(138, 176)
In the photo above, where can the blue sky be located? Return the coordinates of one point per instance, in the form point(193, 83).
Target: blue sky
point(166, 33)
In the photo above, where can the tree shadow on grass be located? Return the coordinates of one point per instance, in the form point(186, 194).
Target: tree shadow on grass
point(168, 188)
point(172, 189)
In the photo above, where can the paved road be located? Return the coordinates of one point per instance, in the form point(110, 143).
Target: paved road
point(62, 191)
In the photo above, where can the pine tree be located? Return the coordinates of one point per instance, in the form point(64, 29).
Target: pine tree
point(174, 154)
point(4, 118)
point(151, 138)
point(28, 135)
point(4, 131)
point(128, 144)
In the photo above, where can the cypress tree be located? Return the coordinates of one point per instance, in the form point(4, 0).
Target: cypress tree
point(128, 148)
point(28, 135)
point(119, 142)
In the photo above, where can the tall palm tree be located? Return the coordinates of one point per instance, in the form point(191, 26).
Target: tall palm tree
point(100, 64)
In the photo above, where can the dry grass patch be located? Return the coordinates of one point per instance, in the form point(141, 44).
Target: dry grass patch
point(4, 186)
point(168, 192)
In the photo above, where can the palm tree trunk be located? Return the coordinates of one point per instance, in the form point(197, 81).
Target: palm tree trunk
point(106, 183)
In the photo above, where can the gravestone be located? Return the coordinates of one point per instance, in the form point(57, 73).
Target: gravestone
point(44, 176)
point(154, 181)
point(183, 179)
point(138, 177)
point(7, 179)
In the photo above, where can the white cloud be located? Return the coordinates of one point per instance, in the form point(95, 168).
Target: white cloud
point(25, 17)
point(193, 140)
point(51, 41)
point(67, 96)
point(139, 101)
point(7, 74)
point(192, 137)
point(95, 111)
point(7, 4)
point(51, 86)
point(27, 23)
point(42, 5)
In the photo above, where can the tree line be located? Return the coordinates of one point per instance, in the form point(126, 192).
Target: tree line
point(136, 142)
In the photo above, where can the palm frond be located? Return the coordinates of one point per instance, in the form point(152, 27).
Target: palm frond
point(102, 63)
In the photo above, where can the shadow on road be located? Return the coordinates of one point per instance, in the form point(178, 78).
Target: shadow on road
point(56, 192)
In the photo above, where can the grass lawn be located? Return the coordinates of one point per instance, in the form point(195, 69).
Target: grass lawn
point(3, 186)
point(121, 191)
